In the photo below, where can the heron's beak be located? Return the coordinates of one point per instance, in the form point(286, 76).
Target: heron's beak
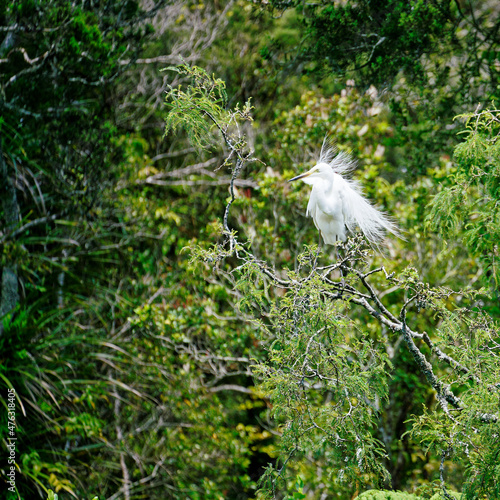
point(301, 176)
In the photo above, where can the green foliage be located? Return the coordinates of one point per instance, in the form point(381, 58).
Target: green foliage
point(399, 495)
point(378, 42)
point(468, 338)
point(378, 38)
point(468, 204)
point(199, 108)
point(386, 495)
point(59, 65)
point(417, 51)
point(99, 386)
point(322, 389)
point(326, 376)
point(131, 358)
point(55, 496)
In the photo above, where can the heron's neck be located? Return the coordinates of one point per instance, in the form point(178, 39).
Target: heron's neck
point(324, 185)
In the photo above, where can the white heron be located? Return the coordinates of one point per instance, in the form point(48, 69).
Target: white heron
point(337, 202)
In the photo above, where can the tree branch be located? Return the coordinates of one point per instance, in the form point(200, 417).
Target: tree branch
point(231, 387)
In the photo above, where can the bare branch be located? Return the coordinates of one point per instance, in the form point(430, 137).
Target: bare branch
point(25, 56)
point(231, 387)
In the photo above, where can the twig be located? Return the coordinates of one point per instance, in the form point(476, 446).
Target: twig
point(444, 454)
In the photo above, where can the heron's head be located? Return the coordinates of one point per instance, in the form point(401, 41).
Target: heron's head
point(319, 173)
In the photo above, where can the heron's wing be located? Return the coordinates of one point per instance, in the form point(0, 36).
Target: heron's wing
point(327, 216)
point(358, 211)
point(312, 204)
point(312, 209)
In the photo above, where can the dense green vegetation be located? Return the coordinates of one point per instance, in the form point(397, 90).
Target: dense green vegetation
point(169, 325)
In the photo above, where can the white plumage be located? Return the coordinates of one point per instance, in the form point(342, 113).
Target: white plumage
point(337, 203)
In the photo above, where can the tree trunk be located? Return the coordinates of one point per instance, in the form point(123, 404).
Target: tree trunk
point(9, 292)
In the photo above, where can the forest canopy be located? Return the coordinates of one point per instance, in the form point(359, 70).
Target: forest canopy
point(172, 325)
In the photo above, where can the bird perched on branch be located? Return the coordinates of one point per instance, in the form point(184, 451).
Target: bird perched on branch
point(337, 203)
